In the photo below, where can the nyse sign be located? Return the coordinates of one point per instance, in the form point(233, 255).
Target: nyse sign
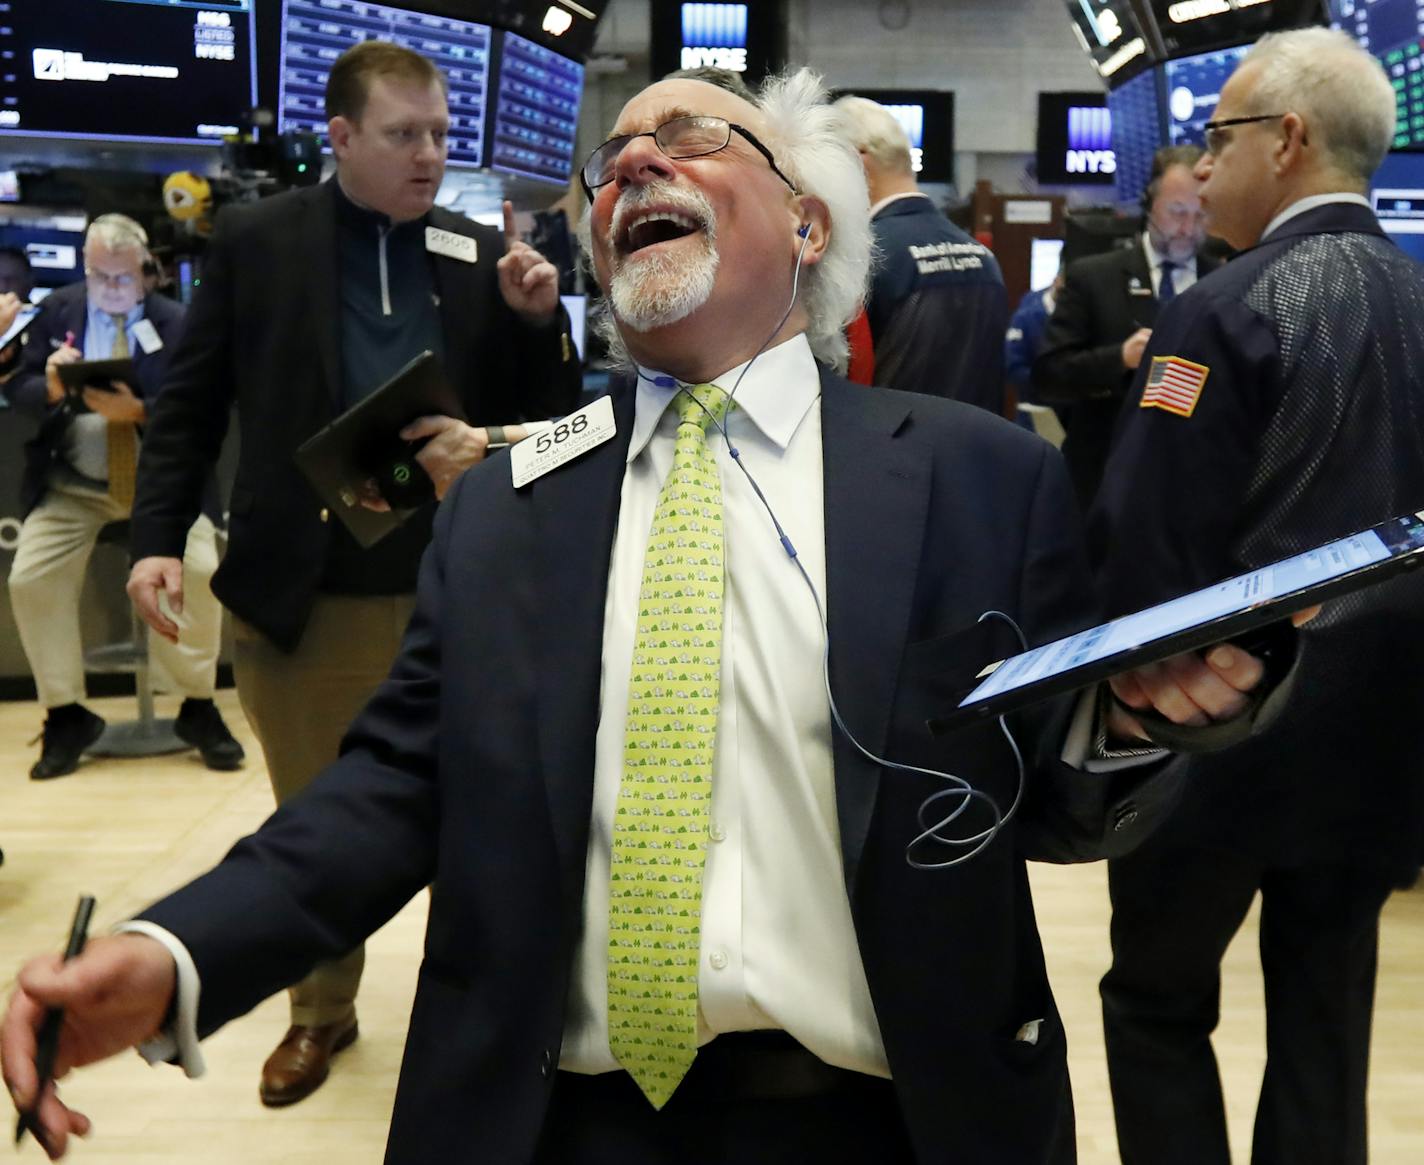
point(698, 57)
point(1090, 162)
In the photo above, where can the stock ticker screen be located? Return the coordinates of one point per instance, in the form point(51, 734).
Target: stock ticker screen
point(178, 71)
point(1193, 88)
point(316, 32)
point(1393, 30)
point(536, 111)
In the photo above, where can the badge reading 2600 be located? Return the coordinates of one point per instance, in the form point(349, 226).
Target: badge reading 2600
point(572, 437)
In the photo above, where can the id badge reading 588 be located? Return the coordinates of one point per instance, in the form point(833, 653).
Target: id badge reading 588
point(571, 437)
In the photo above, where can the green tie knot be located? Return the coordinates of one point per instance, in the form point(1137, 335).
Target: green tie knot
point(701, 405)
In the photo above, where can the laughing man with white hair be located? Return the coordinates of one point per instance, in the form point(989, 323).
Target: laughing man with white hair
point(672, 916)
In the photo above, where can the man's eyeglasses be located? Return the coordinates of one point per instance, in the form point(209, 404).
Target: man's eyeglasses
point(122, 280)
point(682, 137)
point(1216, 140)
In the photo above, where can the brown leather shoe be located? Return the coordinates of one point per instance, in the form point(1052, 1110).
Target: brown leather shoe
point(302, 1061)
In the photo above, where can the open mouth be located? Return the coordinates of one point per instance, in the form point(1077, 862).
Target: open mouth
point(657, 226)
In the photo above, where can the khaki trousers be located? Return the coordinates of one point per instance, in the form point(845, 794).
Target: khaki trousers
point(299, 707)
point(47, 580)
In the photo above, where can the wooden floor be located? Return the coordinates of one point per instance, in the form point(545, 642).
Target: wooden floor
point(127, 830)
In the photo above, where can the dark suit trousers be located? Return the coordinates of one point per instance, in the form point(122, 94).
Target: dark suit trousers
point(606, 1120)
point(1175, 910)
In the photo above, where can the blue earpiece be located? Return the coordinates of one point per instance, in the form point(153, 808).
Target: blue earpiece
point(805, 229)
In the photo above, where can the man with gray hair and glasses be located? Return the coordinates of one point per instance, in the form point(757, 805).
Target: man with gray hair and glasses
point(1280, 405)
point(79, 477)
point(672, 916)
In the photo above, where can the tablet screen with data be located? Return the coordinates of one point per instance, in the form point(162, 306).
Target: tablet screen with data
point(1223, 611)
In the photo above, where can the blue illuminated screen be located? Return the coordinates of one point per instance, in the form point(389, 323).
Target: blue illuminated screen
point(1193, 88)
point(1397, 195)
point(316, 32)
point(536, 111)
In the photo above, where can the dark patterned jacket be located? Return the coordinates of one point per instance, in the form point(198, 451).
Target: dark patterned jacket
point(1306, 424)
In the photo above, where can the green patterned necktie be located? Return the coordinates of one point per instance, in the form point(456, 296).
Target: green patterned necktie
point(660, 827)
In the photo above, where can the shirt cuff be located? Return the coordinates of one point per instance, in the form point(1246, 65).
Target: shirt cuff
point(1086, 747)
point(178, 1041)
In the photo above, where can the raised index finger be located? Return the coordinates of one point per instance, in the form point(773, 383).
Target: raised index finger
point(511, 235)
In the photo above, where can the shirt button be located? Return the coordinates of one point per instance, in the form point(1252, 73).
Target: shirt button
point(718, 959)
point(717, 833)
point(325, 514)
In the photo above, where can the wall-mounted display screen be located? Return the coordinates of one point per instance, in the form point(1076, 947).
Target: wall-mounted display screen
point(1398, 200)
point(52, 240)
point(1075, 140)
point(1137, 132)
point(1393, 30)
point(536, 111)
point(927, 117)
point(171, 71)
point(1191, 26)
point(1193, 88)
point(1045, 255)
point(1112, 36)
point(316, 32)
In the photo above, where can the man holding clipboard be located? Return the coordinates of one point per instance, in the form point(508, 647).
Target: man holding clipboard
point(309, 302)
point(79, 476)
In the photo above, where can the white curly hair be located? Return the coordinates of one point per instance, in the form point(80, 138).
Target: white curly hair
point(806, 139)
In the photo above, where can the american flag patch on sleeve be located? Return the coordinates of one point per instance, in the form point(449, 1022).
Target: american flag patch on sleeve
point(1174, 384)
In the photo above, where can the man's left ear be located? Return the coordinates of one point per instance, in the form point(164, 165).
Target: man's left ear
point(813, 227)
point(1295, 141)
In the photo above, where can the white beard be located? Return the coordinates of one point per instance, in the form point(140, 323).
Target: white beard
point(652, 290)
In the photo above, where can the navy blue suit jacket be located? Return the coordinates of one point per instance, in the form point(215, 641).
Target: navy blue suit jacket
point(472, 770)
point(937, 307)
point(65, 311)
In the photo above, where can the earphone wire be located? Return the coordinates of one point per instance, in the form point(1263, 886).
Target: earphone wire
point(958, 788)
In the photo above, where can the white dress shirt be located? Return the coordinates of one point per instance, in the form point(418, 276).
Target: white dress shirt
point(778, 945)
point(1184, 274)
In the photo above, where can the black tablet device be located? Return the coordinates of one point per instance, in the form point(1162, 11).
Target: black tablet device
point(363, 444)
point(1226, 610)
point(98, 374)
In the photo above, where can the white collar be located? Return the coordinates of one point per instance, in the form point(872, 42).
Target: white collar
point(1310, 203)
point(1155, 258)
point(774, 395)
point(884, 202)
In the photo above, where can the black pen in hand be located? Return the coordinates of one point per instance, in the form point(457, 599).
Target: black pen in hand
point(47, 1042)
